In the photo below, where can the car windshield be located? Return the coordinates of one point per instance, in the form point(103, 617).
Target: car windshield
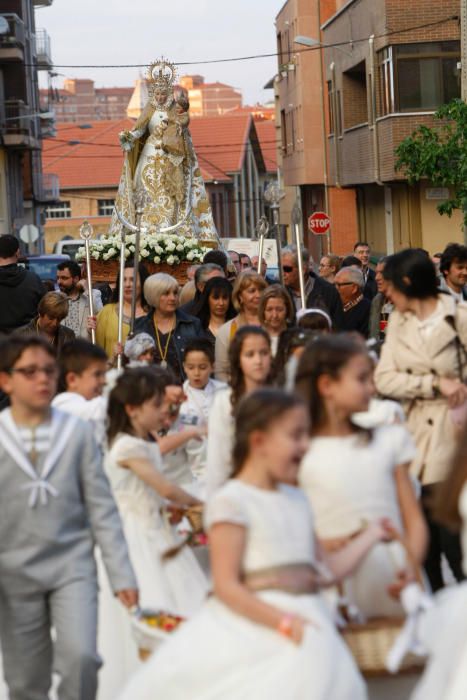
point(45, 268)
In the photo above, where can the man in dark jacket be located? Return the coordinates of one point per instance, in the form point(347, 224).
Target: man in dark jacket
point(349, 282)
point(318, 293)
point(20, 290)
point(362, 251)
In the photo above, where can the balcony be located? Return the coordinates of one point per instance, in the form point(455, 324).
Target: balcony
point(43, 50)
point(12, 42)
point(20, 128)
point(49, 188)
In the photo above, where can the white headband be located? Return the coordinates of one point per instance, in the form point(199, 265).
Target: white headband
point(304, 312)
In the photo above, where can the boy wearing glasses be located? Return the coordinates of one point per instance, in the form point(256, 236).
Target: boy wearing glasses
point(55, 502)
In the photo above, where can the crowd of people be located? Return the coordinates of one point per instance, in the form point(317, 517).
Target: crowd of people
point(323, 442)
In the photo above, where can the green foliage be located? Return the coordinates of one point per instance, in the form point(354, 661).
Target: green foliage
point(440, 155)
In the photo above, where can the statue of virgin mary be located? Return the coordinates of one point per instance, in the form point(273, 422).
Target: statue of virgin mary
point(161, 176)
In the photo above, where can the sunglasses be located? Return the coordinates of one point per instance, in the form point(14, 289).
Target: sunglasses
point(287, 268)
point(342, 284)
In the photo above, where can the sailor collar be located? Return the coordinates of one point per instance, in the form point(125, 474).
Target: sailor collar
point(62, 426)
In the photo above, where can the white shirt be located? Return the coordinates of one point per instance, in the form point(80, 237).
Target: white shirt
point(94, 410)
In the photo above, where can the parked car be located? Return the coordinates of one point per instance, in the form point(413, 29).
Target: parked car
point(45, 266)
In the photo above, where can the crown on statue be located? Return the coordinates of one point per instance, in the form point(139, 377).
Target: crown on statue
point(162, 74)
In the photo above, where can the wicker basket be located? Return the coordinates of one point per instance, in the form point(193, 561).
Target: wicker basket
point(371, 642)
point(194, 515)
point(107, 270)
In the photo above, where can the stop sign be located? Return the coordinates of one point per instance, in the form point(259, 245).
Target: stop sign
point(319, 223)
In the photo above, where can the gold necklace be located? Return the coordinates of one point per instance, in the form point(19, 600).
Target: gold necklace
point(163, 354)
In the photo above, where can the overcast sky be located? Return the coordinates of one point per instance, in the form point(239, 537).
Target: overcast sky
point(138, 31)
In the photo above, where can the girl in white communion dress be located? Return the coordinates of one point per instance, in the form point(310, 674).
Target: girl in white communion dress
point(265, 632)
point(352, 475)
point(250, 361)
point(444, 629)
point(133, 466)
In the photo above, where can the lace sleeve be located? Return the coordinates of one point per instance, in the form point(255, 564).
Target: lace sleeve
point(226, 507)
point(128, 447)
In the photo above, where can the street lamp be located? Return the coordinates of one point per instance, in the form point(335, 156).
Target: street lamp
point(310, 43)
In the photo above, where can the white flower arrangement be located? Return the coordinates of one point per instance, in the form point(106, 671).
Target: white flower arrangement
point(157, 248)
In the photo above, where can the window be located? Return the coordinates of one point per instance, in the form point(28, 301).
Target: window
point(61, 210)
point(419, 76)
point(105, 207)
point(386, 73)
point(354, 93)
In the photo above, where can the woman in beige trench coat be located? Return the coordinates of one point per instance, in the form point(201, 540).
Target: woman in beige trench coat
point(424, 364)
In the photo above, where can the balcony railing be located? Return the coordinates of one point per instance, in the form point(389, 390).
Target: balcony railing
point(43, 49)
point(15, 37)
point(49, 190)
point(20, 127)
point(17, 118)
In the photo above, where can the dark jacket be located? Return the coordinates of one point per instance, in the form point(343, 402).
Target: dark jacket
point(186, 327)
point(190, 307)
point(64, 334)
point(358, 317)
point(370, 290)
point(20, 292)
point(325, 296)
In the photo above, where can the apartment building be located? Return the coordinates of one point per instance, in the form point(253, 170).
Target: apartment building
point(210, 99)
point(300, 89)
point(79, 101)
point(24, 50)
point(390, 64)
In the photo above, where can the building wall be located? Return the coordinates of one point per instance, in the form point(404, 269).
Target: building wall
point(299, 95)
point(391, 214)
point(81, 101)
point(4, 212)
point(84, 205)
point(438, 230)
point(344, 231)
point(300, 119)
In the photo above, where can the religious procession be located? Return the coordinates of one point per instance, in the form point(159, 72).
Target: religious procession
point(235, 467)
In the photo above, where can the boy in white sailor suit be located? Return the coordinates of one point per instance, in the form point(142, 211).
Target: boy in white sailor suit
point(55, 502)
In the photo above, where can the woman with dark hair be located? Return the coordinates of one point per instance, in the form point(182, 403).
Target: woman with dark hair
point(107, 318)
point(215, 306)
point(424, 365)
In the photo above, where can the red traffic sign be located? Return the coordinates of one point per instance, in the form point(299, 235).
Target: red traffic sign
point(319, 223)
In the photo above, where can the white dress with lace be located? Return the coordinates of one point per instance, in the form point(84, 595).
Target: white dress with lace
point(221, 654)
point(178, 585)
point(350, 481)
point(445, 677)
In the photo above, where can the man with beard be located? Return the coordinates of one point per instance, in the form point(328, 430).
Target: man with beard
point(70, 283)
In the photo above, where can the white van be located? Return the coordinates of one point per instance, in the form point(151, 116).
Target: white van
point(69, 247)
